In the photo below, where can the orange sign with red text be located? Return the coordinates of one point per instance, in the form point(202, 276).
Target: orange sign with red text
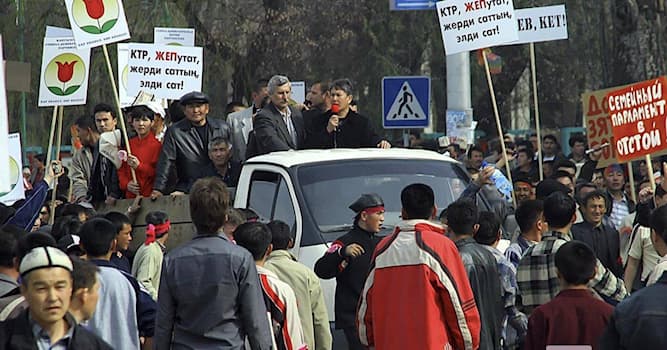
point(637, 114)
point(598, 125)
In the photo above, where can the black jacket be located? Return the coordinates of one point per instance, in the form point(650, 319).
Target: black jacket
point(184, 150)
point(16, 334)
point(354, 131)
point(103, 179)
point(350, 273)
point(482, 270)
point(605, 242)
point(271, 132)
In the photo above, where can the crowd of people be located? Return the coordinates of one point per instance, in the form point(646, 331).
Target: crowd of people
point(573, 261)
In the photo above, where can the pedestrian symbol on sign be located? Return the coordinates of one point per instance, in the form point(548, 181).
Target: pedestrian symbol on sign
point(405, 105)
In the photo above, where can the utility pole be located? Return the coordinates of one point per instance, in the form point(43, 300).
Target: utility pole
point(458, 85)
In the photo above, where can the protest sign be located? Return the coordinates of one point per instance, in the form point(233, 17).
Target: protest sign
point(598, 125)
point(638, 113)
point(298, 91)
point(165, 71)
point(540, 24)
point(97, 22)
point(174, 36)
point(15, 182)
point(123, 54)
point(4, 127)
point(474, 24)
point(64, 74)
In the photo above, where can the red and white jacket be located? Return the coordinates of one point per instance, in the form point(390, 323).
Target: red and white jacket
point(282, 311)
point(417, 294)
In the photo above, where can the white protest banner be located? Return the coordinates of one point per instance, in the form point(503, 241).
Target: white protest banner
point(174, 36)
point(468, 25)
point(541, 24)
point(164, 71)
point(298, 91)
point(4, 127)
point(64, 78)
point(123, 55)
point(15, 182)
point(97, 22)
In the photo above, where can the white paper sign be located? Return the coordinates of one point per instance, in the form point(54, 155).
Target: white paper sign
point(15, 190)
point(4, 127)
point(174, 36)
point(97, 22)
point(298, 91)
point(468, 25)
point(123, 54)
point(64, 78)
point(57, 32)
point(541, 24)
point(164, 71)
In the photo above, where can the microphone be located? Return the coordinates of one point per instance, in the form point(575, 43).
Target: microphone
point(335, 109)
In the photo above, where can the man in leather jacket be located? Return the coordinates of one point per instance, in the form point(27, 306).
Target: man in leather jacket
point(185, 146)
point(480, 264)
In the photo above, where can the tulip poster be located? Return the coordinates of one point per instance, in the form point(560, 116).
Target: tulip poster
point(64, 79)
point(97, 22)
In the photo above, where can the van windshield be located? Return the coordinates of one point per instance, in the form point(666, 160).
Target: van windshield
point(329, 189)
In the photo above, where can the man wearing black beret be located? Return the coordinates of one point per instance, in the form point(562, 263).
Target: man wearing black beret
point(185, 145)
point(348, 259)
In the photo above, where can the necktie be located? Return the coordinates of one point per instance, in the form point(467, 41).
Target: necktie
point(290, 129)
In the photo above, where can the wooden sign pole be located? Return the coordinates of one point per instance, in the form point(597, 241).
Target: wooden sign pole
point(118, 109)
point(500, 128)
point(537, 112)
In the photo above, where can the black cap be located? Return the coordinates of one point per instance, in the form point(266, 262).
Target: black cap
point(193, 97)
point(549, 186)
point(367, 200)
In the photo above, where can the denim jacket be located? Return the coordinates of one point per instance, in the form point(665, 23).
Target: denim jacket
point(639, 321)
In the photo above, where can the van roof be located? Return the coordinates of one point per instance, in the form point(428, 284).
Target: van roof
point(291, 158)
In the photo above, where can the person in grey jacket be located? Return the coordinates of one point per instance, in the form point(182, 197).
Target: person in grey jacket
point(185, 145)
point(210, 295)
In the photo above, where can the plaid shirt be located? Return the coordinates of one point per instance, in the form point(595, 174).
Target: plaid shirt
point(538, 280)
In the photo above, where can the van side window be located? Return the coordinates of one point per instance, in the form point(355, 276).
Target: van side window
point(269, 197)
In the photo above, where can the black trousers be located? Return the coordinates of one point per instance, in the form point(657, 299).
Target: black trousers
point(352, 338)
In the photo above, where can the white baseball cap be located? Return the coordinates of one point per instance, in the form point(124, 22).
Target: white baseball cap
point(44, 257)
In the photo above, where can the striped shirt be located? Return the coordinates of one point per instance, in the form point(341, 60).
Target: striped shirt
point(537, 276)
point(619, 210)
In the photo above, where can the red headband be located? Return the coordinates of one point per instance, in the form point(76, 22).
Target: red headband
point(373, 210)
point(153, 231)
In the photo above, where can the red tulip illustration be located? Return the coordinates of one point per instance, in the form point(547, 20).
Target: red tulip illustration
point(65, 71)
point(95, 8)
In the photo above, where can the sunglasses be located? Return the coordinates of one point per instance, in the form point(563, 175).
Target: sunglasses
point(43, 212)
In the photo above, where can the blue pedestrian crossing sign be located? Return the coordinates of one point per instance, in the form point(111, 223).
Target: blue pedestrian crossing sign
point(405, 102)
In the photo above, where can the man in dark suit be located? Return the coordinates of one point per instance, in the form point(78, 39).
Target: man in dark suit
point(279, 126)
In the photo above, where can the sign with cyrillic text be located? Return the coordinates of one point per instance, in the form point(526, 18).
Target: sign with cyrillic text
point(174, 36)
point(541, 24)
point(64, 78)
point(468, 25)
point(598, 126)
point(97, 22)
point(638, 113)
point(164, 71)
